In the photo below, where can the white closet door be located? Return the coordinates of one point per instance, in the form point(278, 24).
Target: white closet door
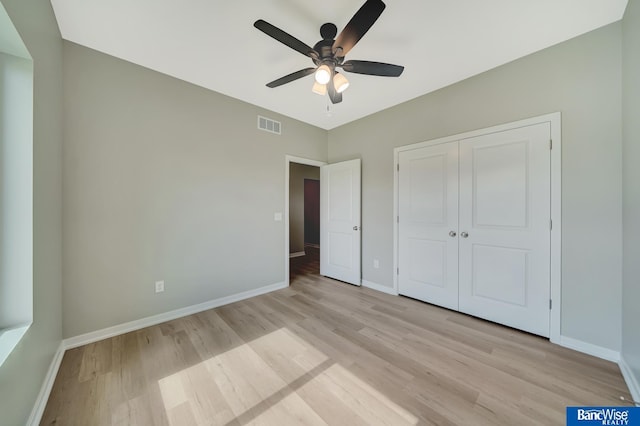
point(505, 227)
point(428, 212)
point(340, 221)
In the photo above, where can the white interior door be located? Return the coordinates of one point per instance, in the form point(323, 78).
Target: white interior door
point(340, 221)
point(504, 224)
point(428, 224)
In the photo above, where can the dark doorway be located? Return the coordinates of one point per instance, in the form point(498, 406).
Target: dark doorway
point(304, 219)
point(311, 212)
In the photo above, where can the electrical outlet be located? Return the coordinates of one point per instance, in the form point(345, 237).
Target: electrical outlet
point(159, 286)
point(376, 263)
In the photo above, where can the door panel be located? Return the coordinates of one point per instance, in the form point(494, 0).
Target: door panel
point(340, 194)
point(428, 189)
point(428, 211)
point(427, 263)
point(341, 244)
point(500, 274)
point(505, 211)
point(340, 221)
point(500, 181)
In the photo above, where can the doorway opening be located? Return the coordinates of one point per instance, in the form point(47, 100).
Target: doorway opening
point(304, 220)
point(302, 212)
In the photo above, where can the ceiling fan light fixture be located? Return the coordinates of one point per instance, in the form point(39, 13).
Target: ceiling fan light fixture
point(329, 53)
point(323, 74)
point(340, 82)
point(320, 89)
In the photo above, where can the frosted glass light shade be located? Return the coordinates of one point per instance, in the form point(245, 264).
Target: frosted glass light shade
point(323, 74)
point(320, 89)
point(340, 83)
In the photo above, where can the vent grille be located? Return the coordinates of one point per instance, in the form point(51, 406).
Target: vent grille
point(269, 125)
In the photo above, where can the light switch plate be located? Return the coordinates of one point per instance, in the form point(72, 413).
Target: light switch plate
point(277, 217)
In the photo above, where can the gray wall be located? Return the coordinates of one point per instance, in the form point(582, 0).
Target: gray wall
point(22, 375)
point(297, 174)
point(164, 180)
point(631, 187)
point(582, 79)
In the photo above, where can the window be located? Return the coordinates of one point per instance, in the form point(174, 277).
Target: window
point(16, 187)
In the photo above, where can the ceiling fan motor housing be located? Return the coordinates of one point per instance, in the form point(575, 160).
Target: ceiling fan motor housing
point(325, 49)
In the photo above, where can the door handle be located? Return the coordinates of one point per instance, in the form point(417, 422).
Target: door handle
point(464, 234)
point(355, 228)
point(452, 234)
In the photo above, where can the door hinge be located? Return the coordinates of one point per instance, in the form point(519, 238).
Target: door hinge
point(398, 166)
point(550, 304)
point(398, 270)
point(550, 143)
point(397, 219)
point(550, 224)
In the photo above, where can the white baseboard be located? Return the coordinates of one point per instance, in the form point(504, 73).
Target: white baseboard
point(105, 333)
point(630, 379)
point(297, 254)
point(590, 349)
point(379, 287)
point(45, 390)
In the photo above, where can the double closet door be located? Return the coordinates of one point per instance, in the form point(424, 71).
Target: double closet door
point(474, 226)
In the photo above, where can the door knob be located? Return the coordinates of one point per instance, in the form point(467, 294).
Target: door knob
point(355, 228)
point(464, 234)
point(452, 234)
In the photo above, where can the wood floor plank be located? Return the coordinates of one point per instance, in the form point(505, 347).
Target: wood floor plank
point(96, 360)
point(210, 334)
point(255, 393)
point(246, 322)
point(325, 352)
point(127, 364)
point(139, 411)
point(207, 402)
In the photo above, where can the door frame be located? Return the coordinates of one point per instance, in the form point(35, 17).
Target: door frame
point(288, 159)
point(554, 119)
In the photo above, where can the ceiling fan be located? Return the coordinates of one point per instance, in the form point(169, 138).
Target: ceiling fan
point(328, 54)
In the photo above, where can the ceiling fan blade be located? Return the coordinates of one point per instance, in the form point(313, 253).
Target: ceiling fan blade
point(291, 77)
point(335, 97)
point(373, 68)
point(358, 26)
point(285, 38)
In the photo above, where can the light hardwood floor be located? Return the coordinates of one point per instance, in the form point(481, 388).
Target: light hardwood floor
point(325, 352)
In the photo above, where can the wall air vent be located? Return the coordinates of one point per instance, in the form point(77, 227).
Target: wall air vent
point(269, 125)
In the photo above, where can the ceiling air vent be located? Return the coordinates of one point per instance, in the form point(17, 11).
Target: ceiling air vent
point(269, 125)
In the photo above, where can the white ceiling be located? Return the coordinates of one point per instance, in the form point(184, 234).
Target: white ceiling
point(212, 43)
